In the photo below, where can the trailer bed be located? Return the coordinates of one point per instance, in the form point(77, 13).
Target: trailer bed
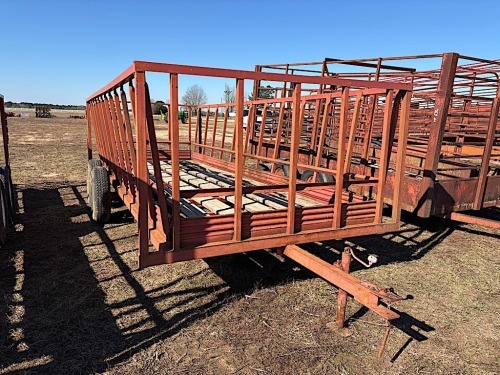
point(197, 176)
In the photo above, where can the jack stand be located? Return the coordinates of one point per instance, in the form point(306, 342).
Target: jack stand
point(339, 325)
point(381, 348)
point(374, 298)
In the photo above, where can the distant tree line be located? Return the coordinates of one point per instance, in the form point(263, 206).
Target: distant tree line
point(51, 106)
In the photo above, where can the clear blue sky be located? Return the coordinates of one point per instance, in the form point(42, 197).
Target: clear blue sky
point(60, 52)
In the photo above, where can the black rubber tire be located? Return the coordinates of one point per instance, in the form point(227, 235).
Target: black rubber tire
point(92, 163)
point(10, 197)
point(264, 167)
point(100, 203)
point(307, 175)
point(322, 177)
point(282, 169)
point(3, 216)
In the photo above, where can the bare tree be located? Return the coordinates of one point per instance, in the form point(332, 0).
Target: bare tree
point(229, 94)
point(194, 96)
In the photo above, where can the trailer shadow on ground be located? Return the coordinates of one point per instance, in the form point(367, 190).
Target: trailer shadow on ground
point(59, 313)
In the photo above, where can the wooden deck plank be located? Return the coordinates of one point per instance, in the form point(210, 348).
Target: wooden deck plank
point(197, 176)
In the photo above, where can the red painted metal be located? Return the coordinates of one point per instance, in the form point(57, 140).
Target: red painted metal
point(216, 193)
point(345, 266)
point(7, 194)
point(136, 160)
point(5, 132)
point(469, 219)
point(453, 153)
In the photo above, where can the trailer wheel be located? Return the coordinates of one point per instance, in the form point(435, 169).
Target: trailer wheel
point(323, 177)
point(282, 170)
point(9, 191)
point(264, 167)
point(307, 176)
point(3, 216)
point(100, 199)
point(92, 163)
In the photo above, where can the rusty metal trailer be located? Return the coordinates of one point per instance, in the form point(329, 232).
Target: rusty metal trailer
point(8, 198)
point(453, 152)
point(197, 190)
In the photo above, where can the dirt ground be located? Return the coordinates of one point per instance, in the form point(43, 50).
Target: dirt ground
point(73, 301)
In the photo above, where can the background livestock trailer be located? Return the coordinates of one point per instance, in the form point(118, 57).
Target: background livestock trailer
point(453, 153)
point(200, 190)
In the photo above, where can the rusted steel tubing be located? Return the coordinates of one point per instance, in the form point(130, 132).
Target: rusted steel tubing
point(341, 157)
point(444, 90)
point(255, 189)
point(204, 146)
point(340, 279)
point(240, 160)
point(153, 144)
point(212, 250)
point(468, 219)
point(400, 158)
point(224, 129)
point(384, 339)
point(245, 74)
point(142, 169)
point(385, 154)
point(296, 128)
point(174, 126)
point(345, 266)
point(485, 162)
point(352, 134)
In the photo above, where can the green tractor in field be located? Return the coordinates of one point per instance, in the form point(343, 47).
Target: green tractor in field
point(181, 115)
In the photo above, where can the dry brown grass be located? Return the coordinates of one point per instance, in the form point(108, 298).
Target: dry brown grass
point(73, 301)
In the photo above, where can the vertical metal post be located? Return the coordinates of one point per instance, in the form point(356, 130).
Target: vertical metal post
point(123, 140)
point(485, 161)
point(443, 98)
point(256, 85)
point(384, 155)
point(339, 183)
point(401, 156)
point(207, 119)
point(89, 134)
point(352, 133)
point(128, 130)
point(249, 133)
point(279, 130)
point(215, 130)
point(189, 125)
point(321, 143)
point(224, 128)
point(142, 167)
point(176, 189)
point(94, 113)
point(294, 157)
point(198, 129)
point(369, 119)
point(381, 348)
point(239, 160)
point(342, 294)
